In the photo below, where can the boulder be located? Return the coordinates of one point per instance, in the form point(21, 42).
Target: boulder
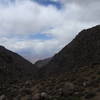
point(27, 97)
point(25, 91)
point(68, 88)
point(44, 95)
point(37, 96)
point(3, 97)
point(28, 84)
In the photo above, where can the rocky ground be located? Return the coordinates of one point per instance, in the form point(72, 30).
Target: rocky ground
point(81, 84)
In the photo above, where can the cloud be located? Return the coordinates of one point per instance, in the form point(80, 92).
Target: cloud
point(32, 49)
point(80, 2)
point(24, 17)
point(27, 17)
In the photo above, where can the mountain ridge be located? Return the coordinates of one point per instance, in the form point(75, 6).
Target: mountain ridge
point(81, 51)
point(14, 67)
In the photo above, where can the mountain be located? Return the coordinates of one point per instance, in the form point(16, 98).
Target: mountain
point(43, 62)
point(72, 74)
point(83, 50)
point(13, 67)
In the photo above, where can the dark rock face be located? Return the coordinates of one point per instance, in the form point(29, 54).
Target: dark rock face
point(84, 50)
point(14, 67)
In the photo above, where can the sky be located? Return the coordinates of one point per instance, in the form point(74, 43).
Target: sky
point(37, 29)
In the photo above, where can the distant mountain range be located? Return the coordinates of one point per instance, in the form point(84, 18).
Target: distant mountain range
point(43, 62)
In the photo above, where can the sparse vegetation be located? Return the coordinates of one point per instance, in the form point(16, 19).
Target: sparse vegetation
point(66, 98)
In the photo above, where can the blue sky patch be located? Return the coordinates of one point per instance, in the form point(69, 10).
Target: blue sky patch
point(32, 36)
point(39, 36)
point(57, 4)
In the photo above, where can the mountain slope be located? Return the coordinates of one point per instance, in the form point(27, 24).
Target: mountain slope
point(43, 62)
point(82, 51)
point(15, 67)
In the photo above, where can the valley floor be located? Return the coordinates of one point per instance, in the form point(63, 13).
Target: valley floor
point(81, 84)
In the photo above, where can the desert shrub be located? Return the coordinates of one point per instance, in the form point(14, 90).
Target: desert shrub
point(74, 98)
point(98, 78)
point(98, 73)
point(90, 95)
point(66, 98)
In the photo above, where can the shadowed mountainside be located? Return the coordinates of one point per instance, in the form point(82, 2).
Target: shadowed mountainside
point(82, 51)
point(14, 67)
